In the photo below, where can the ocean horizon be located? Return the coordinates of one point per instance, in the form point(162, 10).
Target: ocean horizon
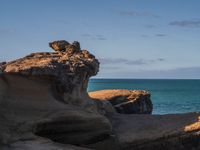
point(169, 96)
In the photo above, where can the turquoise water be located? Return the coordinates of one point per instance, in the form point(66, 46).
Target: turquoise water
point(168, 95)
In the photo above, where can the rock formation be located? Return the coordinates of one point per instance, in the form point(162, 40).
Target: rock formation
point(64, 46)
point(43, 96)
point(59, 45)
point(2, 66)
point(44, 106)
point(126, 101)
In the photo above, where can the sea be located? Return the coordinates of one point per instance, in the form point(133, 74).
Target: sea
point(169, 96)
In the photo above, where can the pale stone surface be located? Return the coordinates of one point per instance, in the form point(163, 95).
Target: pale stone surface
point(28, 109)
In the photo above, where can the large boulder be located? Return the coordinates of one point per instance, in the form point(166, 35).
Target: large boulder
point(126, 101)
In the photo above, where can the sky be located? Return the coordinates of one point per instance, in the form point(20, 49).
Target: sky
point(131, 38)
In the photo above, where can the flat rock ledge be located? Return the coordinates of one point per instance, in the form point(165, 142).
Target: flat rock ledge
point(160, 132)
point(126, 101)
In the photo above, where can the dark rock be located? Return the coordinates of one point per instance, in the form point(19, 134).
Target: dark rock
point(160, 132)
point(2, 66)
point(126, 101)
point(59, 45)
point(77, 45)
point(64, 46)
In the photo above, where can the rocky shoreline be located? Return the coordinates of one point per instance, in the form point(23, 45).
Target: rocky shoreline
point(44, 105)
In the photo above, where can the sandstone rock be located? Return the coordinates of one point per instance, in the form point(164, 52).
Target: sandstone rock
point(69, 75)
point(59, 45)
point(44, 106)
point(126, 101)
point(64, 46)
point(43, 98)
point(29, 110)
point(160, 132)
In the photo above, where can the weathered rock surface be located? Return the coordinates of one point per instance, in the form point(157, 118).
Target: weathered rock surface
point(43, 98)
point(68, 74)
point(44, 106)
point(160, 132)
point(28, 109)
point(64, 46)
point(59, 45)
point(2, 66)
point(126, 101)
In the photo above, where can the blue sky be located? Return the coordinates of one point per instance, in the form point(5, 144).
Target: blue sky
point(131, 38)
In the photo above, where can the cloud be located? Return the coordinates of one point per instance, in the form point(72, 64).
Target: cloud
point(157, 35)
point(144, 36)
point(182, 72)
point(110, 67)
point(177, 73)
point(150, 26)
point(186, 23)
point(137, 14)
point(86, 35)
point(160, 35)
point(6, 31)
point(94, 37)
point(108, 61)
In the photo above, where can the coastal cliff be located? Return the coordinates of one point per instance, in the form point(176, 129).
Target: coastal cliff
point(44, 105)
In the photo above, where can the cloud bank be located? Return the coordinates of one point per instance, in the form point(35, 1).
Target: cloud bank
point(108, 61)
point(186, 23)
point(94, 37)
point(137, 14)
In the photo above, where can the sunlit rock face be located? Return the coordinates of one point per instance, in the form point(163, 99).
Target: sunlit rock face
point(68, 72)
point(126, 101)
point(43, 101)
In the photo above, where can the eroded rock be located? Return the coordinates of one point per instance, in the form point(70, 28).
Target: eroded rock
point(44, 106)
point(126, 101)
point(2, 66)
point(29, 110)
point(69, 74)
point(64, 46)
point(43, 98)
point(59, 45)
